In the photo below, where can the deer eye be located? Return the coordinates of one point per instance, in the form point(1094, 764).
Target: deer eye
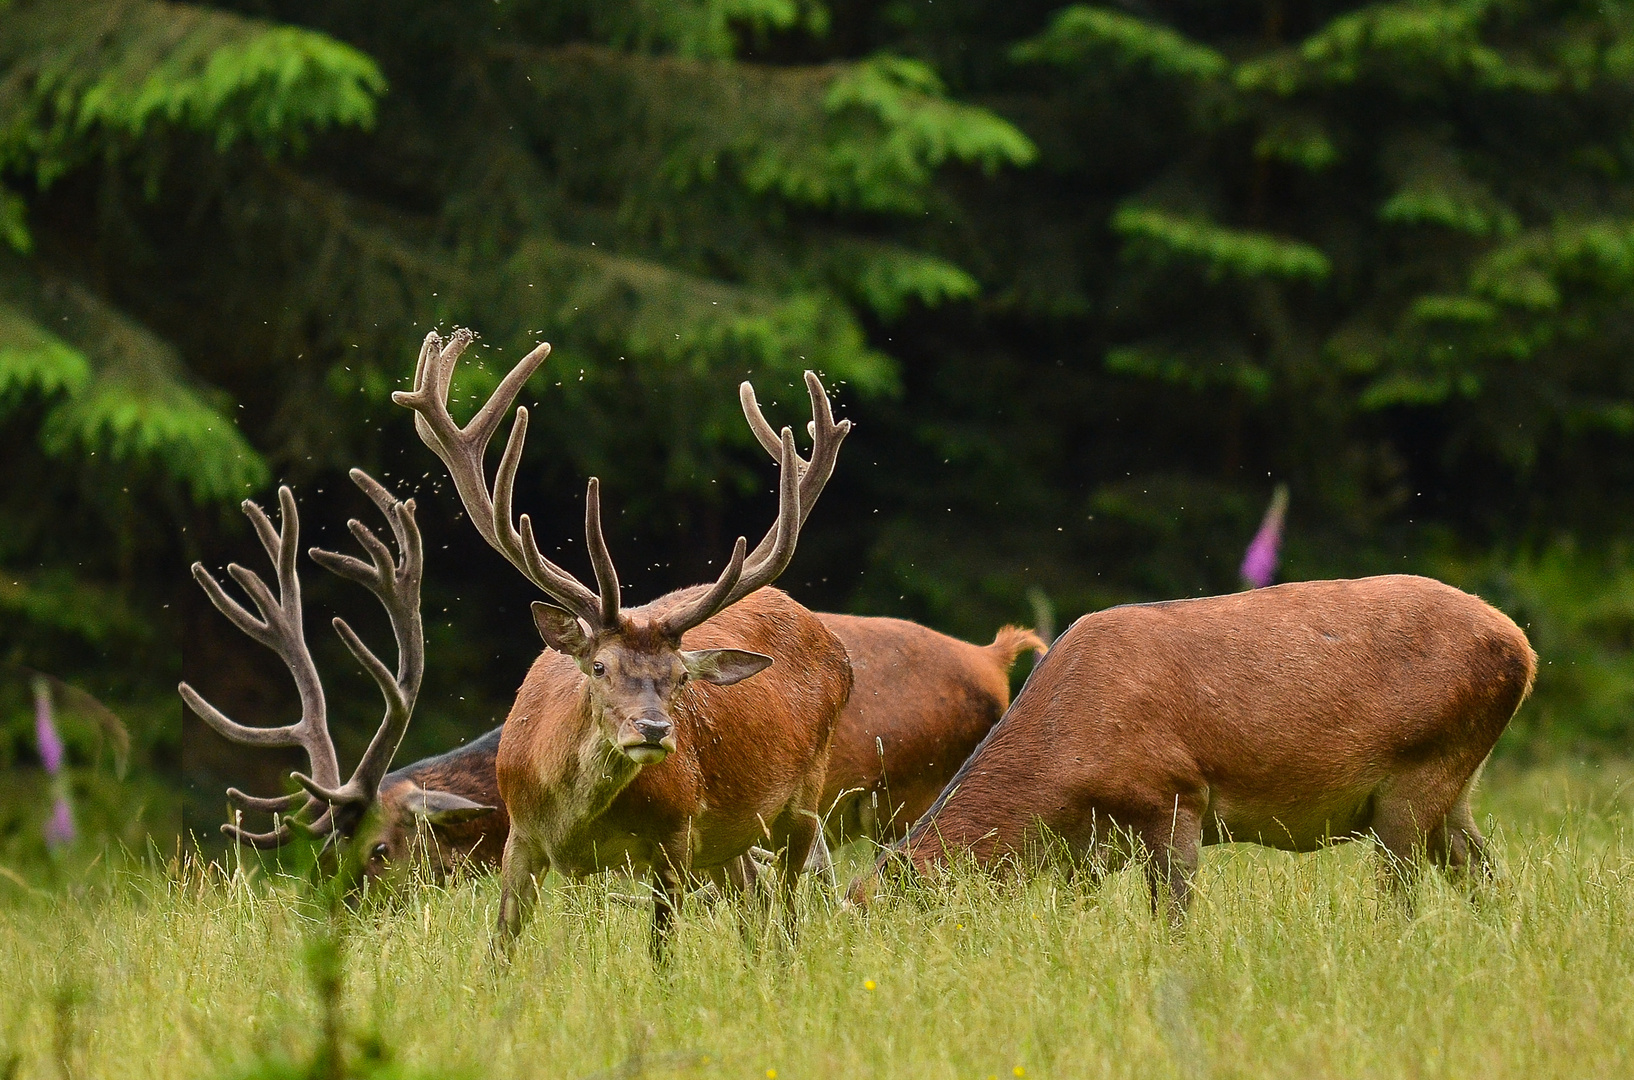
point(598, 669)
point(685, 675)
point(379, 852)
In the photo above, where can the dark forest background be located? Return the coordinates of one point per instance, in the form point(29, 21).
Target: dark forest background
point(1089, 280)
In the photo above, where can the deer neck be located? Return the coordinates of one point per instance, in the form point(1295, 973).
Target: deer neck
point(591, 775)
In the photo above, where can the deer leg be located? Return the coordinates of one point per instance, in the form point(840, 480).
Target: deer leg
point(668, 890)
point(1171, 842)
point(518, 889)
point(1467, 855)
point(1410, 822)
point(821, 862)
point(799, 838)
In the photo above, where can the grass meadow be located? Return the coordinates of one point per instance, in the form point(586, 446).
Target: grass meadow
point(1290, 966)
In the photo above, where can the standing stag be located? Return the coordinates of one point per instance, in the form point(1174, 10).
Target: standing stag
point(638, 739)
point(1291, 716)
point(328, 808)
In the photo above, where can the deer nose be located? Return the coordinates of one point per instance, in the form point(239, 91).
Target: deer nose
point(652, 729)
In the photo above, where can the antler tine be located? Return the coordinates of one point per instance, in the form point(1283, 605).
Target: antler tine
point(286, 831)
point(826, 436)
point(743, 576)
point(266, 841)
point(397, 587)
point(772, 555)
point(688, 615)
point(283, 804)
point(601, 560)
point(280, 629)
point(462, 450)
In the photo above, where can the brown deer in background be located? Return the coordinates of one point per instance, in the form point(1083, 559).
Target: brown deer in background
point(920, 703)
point(638, 739)
point(438, 814)
point(328, 808)
point(1291, 716)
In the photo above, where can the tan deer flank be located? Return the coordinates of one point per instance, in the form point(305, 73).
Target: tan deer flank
point(1291, 716)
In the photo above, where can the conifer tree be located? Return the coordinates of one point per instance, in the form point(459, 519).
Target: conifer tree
point(228, 225)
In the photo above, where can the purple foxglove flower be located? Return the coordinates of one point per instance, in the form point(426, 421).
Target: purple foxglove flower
point(1260, 563)
point(59, 828)
point(45, 729)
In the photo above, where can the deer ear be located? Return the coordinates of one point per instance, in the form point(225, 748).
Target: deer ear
point(723, 667)
point(444, 807)
point(561, 629)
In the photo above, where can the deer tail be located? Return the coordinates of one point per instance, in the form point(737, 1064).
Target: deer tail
point(1011, 641)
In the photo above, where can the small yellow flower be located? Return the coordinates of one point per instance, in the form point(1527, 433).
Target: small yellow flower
point(771, 1074)
point(1018, 1070)
point(868, 984)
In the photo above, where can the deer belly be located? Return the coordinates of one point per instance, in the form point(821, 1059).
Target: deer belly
point(594, 851)
point(1291, 823)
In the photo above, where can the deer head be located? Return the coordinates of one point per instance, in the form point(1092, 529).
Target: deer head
point(327, 808)
point(633, 661)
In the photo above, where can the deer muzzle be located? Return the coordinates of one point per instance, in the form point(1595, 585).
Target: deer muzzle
point(649, 740)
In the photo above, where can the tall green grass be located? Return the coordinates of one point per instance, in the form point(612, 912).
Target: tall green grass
point(1290, 966)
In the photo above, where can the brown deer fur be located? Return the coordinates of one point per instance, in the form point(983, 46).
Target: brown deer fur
point(1290, 716)
point(444, 809)
point(747, 767)
point(921, 703)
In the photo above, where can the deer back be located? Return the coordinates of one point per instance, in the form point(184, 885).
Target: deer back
point(1289, 706)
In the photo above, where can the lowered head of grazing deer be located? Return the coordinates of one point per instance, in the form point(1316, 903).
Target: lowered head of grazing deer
point(436, 814)
point(639, 738)
point(1292, 716)
point(327, 808)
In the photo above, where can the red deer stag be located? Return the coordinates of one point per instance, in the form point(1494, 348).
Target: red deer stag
point(328, 808)
point(1292, 716)
point(638, 739)
point(439, 813)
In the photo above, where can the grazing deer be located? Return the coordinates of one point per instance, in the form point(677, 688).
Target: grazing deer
point(439, 813)
point(638, 739)
point(920, 704)
point(328, 808)
point(1291, 716)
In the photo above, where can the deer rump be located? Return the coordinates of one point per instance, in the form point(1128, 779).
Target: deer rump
point(1290, 716)
point(748, 762)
